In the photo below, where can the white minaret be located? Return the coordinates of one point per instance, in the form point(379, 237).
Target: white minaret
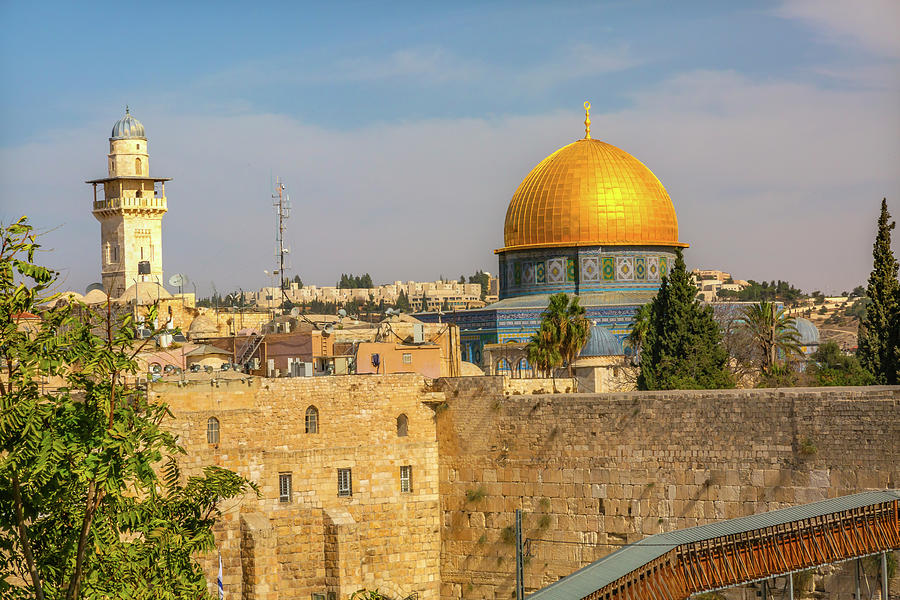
point(130, 208)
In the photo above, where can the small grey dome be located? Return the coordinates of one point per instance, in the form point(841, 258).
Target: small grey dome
point(601, 343)
point(809, 333)
point(127, 128)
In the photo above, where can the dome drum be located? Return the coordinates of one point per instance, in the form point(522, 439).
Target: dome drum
point(583, 269)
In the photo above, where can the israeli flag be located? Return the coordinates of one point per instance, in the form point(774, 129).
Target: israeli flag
point(219, 581)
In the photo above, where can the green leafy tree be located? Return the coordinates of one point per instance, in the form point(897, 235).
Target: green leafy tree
point(682, 348)
point(879, 332)
point(402, 302)
point(92, 504)
point(773, 332)
point(483, 279)
point(365, 594)
point(830, 366)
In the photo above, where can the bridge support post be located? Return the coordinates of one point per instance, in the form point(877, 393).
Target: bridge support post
point(884, 577)
point(858, 593)
point(790, 583)
point(765, 589)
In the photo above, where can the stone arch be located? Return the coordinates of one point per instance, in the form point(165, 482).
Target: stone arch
point(312, 419)
point(402, 425)
point(137, 167)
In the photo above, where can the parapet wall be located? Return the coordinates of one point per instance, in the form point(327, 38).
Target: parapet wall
point(592, 472)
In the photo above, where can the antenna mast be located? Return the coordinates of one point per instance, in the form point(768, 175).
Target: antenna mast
point(282, 204)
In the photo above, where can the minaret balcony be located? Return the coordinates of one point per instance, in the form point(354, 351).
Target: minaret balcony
point(153, 203)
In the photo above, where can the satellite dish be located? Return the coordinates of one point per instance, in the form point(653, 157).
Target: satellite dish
point(177, 280)
point(295, 312)
point(342, 313)
point(389, 312)
point(329, 329)
point(94, 286)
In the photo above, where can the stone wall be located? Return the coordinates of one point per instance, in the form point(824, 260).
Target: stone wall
point(593, 472)
point(318, 543)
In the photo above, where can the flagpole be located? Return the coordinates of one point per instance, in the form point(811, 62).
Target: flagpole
point(219, 580)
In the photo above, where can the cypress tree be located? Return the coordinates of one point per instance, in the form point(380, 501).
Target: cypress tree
point(879, 333)
point(682, 348)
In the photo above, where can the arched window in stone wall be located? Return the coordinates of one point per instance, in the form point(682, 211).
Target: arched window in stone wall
point(402, 426)
point(212, 431)
point(137, 167)
point(312, 420)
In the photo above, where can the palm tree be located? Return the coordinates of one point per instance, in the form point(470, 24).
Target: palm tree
point(563, 333)
point(639, 326)
point(772, 331)
point(543, 350)
point(576, 329)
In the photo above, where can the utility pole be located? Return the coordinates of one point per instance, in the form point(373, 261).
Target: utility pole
point(520, 560)
point(282, 205)
point(772, 349)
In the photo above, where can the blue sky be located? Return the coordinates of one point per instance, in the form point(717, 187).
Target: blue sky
point(403, 130)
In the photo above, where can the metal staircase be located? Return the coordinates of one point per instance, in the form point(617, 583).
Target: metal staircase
point(249, 348)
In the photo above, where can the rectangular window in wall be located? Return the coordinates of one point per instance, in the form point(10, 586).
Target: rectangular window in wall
point(345, 483)
point(284, 487)
point(407, 358)
point(406, 478)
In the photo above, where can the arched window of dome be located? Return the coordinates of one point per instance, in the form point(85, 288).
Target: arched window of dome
point(312, 420)
point(212, 431)
point(402, 426)
point(137, 166)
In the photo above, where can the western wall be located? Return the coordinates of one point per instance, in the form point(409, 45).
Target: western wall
point(593, 472)
point(590, 471)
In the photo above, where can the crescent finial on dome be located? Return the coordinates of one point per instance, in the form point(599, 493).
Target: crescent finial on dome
point(587, 120)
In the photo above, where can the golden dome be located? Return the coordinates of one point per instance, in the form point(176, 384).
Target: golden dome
point(590, 193)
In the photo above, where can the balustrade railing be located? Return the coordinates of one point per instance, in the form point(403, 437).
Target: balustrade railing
point(128, 202)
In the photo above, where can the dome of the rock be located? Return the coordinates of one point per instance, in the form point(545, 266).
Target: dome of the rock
point(586, 194)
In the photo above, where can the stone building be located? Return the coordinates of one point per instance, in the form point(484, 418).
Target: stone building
point(348, 475)
point(422, 295)
point(130, 206)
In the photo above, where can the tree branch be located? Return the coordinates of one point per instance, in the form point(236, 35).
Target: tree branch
point(23, 539)
point(93, 501)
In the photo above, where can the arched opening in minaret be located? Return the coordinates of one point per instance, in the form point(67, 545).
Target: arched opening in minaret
point(137, 166)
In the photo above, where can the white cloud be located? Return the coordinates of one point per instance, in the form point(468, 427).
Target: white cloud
point(432, 65)
point(871, 24)
point(578, 61)
point(770, 180)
